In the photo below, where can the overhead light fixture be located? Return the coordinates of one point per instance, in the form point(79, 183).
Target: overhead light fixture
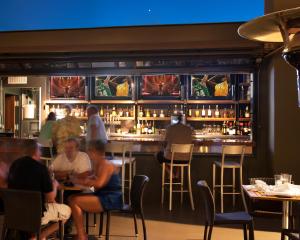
point(282, 26)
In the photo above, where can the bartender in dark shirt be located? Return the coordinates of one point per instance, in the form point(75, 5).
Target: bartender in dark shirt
point(27, 173)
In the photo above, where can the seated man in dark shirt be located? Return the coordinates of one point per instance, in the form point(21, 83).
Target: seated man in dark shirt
point(178, 133)
point(27, 173)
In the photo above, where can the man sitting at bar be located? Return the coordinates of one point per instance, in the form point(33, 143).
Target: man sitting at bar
point(71, 161)
point(27, 173)
point(178, 133)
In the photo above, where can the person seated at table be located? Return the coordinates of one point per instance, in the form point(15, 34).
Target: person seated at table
point(105, 180)
point(28, 173)
point(71, 161)
point(178, 133)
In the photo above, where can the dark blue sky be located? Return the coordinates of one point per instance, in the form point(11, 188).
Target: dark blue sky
point(62, 14)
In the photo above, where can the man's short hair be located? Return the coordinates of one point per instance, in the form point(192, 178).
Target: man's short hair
point(75, 140)
point(30, 147)
point(94, 108)
point(96, 145)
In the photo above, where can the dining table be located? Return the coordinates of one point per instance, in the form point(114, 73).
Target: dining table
point(286, 201)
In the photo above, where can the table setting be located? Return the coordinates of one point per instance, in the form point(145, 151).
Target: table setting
point(282, 187)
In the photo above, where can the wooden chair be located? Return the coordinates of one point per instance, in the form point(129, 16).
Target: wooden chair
point(122, 156)
point(182, 164)
point(229, 150)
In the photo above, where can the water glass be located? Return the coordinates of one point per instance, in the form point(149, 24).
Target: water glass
point(278, 179)
point(286, 178)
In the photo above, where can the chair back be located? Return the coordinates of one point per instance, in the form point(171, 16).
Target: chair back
point(233, 150)
point(22, 210)
point(119, 148)
point(208, 202)
point(137, 191)
point(182, 149)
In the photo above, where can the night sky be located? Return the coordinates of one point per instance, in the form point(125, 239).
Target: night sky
point(64, 14)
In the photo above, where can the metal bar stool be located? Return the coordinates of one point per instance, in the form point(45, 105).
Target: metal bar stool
point(229, 150)
point(47, 154)
point(122, 157)
point(186, 149)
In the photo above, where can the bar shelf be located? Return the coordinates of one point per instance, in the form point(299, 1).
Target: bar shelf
point(229, 102)
point(244, 119)
point(154, 118)
point(209, 119)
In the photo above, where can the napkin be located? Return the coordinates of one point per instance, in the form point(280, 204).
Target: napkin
point(286, 189)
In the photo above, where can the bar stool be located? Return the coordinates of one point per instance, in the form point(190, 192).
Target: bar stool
point(229, 150)
point(47, 154)
point(119, 151)
point(178, 149)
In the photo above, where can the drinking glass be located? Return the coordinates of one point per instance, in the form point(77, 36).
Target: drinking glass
point(278, 179)
point(286, 178)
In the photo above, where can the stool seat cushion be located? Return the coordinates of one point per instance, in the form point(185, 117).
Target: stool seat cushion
point(118, 161)
point(232, 218)
point(228, 164)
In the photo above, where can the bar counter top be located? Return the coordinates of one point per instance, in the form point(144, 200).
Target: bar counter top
point(11, 148)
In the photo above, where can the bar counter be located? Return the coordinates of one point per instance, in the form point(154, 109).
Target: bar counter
point(203, 144)
point(11, 148)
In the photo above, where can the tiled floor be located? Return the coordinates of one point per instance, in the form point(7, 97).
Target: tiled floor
point(122, 228)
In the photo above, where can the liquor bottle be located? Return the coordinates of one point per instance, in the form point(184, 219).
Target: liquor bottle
point(101, 111)
point(82, 111)
point(161, 114)
point(175, 112)
point(203, 112)
point(52, 109)
point(138, 127)
point(237, 127)
point(242, 128)
point(141, 113)
point(153, 128)
point(147, 113)
point(209, 112)
point(217, 112)
point(142, 128)
point(114, 113)
point(225, 114)
point(247, 113)
point(234, 128)
point(120, 113)
point(190, 114)
point(146, 128)
point(127, 114)
point(224, 128)
point(181, 110)
point(149, 128)
point(77, 111)
point(231, 112)
point(131, 112)
point(197, 111)
point(154, 113)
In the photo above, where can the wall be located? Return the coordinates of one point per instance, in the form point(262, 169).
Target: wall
point(33, 81)
point(278, 115)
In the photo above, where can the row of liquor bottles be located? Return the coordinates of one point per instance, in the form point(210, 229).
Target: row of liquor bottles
point(227, 128)
point(196, 112)
point(110, 114)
